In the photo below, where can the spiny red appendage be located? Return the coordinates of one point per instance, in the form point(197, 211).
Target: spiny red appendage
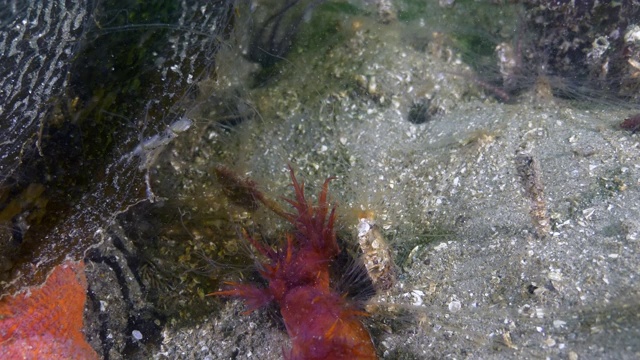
point(311, 222)
point(254, 297)
point(266, 251)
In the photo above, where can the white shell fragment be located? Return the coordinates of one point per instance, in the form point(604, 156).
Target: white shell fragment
point(455, 306)
point(417, 297)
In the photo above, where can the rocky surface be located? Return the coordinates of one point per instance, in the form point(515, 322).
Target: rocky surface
point(514, 226)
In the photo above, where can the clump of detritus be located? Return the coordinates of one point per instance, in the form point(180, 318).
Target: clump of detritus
point(530, 173)
point(377, 255)
point(631, 123)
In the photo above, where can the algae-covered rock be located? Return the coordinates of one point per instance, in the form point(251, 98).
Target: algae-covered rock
point(513, 225)
point(92, 92)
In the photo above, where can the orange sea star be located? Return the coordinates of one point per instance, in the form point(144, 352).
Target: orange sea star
point(46, 322)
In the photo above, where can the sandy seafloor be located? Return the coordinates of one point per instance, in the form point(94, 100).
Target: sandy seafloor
point(480, 276)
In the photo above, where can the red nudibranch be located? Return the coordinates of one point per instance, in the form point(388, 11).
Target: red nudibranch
point(319, 321)
point(46, 322)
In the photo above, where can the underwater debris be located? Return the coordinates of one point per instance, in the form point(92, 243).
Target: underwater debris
point(529, 171)
point(631, 123)
point(321, 322)
point(244, 192)
point(377, 255)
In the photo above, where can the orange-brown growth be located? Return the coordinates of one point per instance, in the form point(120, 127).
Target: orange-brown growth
point(46, 322)
point(320, 322)
point(632, 123)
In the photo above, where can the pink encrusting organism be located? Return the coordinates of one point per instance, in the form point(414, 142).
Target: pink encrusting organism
point(319, 320)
